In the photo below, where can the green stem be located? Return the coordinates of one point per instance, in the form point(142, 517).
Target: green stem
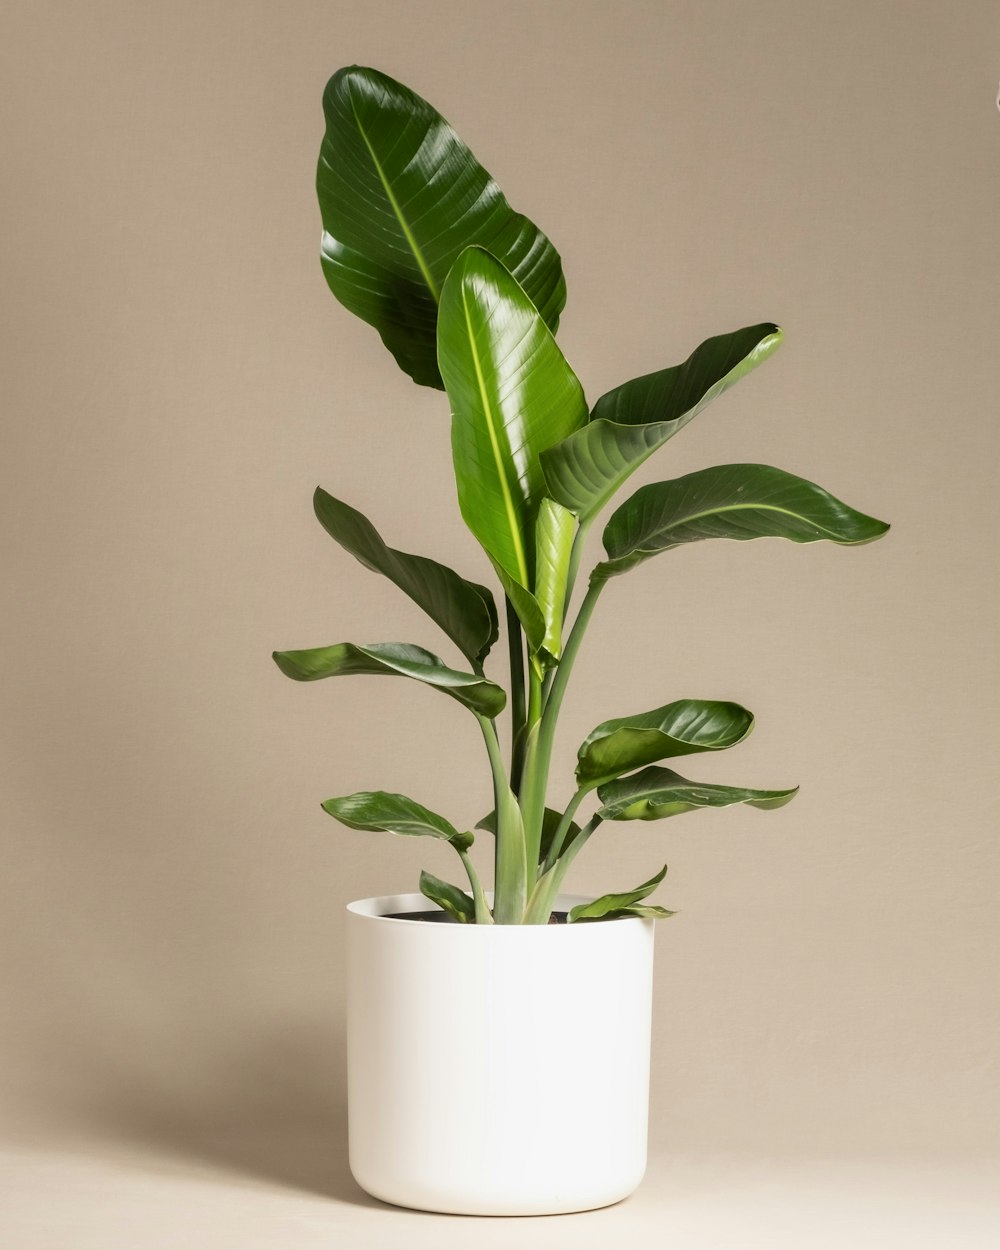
point(515, 648)
point(539, 758)
point(483, 913)
point(576, 555)
point(563, 828)
point(547, 887)
point(510, 879)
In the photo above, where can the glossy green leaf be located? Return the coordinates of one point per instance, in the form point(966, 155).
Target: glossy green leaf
point(393, 659)
point(550, 823)
point(740, 501)
point(378, 811)
point(684, 727)
point(613, 904)
point(449, 898)
point(401, 196)
point(657, 792)
point(465, 611)
point(512, 395)
point(632, 421)
point(555, 530)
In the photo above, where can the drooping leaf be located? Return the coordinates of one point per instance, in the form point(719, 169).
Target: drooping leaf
point(465, 611)
point(555, 530)
point(740, 501)
point(393, 659)
point(613, 904)
point(550, 823)
point(401, 196)
point(378, 811)
point(632, 421)
point(448, 897)
point(512, 395)
point(648, 911)
point(684, 727)
point(657, 792)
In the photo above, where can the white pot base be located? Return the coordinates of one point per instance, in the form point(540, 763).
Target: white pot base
point(497, 1070)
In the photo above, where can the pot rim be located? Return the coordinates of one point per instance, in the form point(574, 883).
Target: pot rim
point(374, 908)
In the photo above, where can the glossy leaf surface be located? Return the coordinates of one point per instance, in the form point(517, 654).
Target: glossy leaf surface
point(401, 196)
point(464, 610)
point(448, 897)
point(738, 501)
point(632, 421)
point(512, 395)
point(378, 811)
point(657, 792)
point(613, 904)
point(393, 659)
point(555, 530)
point(684, 727)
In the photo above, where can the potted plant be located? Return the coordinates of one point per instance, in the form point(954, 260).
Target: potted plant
point(498, 1041)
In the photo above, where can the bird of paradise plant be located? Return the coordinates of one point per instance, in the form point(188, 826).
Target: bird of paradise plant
point(420, 243)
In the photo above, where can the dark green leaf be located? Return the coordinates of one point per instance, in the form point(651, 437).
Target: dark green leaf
point(449, 898)
point(658, 792)
point(465, 611)
point(555, 530)
point(648, 911)
point(740, 501)
point(401, 196)
point(529, 613)
point(613, 904)
point(381, 812)
point(684, 727)
point(629, 423)
point(393, 659)
point(512, 395)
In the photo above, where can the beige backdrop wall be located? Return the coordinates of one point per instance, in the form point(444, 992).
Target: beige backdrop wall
point(178, 380)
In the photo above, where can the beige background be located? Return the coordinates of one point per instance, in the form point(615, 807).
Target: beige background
point(178, 379)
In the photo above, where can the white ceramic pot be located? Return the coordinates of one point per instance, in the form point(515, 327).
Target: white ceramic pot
point(497, 1069)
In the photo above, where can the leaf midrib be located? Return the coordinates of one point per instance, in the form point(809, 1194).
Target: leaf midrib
point(397, 209)
point(508, 500)
point(735, 507)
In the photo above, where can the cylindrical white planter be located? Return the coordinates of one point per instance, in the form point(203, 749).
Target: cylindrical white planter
point(497, 1069)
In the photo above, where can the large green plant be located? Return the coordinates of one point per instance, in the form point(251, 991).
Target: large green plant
point(466, 294)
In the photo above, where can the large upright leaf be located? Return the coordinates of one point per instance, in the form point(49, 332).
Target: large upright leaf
point(740, 501)
point(684, 727)
point(465, 611)
point(630, 422)
point(657, 792)
point(393, 659)
point(401, 196)
point(613, 906)
point(378, 811)
point(512, 395)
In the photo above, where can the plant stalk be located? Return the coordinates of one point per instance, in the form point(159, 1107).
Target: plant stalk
point(515, 649)
point(483, 913)
point(510, 876)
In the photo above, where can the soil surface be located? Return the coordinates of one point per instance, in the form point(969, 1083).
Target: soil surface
point(441, 917)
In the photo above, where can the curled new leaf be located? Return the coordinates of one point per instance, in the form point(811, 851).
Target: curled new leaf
point(464, 610)
point(684, 727)
point(740, 501)
point(448, 897)
point(401, 196)
point(611, 906)
point(629, 423)
point(555, 530)
point(657, 792)
point(393, 659)
point(381, 812)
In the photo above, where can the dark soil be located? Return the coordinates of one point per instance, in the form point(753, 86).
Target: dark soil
point(441, 917)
